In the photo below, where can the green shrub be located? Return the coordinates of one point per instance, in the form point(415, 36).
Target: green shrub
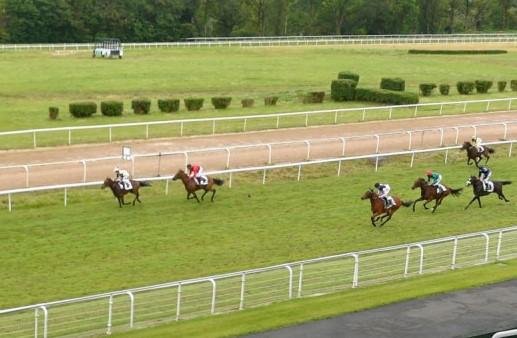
point(513, 85)
point(141, 106)
point(465, 87)
point(482, 86)
point(314, 97)
point(343, 90)
point(427, 88)
point(270, 100)
point(395, 83)
point(247, 103)
point(169, 105)
point(460, 51)
point(82, 109)
point(385, 96)
point(221, 102)
point(501, 86)
point(193, 103)
point(348, 76)
point(53, 113)
point(444, 89)
point(112, 108)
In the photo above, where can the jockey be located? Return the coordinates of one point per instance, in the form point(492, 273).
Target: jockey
point(437, 179)
point(196, 172)
point(484, 176)
point(122, 177)
point(476, 142)
point(384, 190)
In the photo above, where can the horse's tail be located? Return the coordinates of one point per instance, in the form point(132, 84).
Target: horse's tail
point(456, 192)
point(490, 150)
point(406, 203)
point(506, 182)
point(145, 184)
point(218, 181)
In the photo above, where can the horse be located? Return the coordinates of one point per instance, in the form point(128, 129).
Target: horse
point(477, 187)
point(473, 154)
point(191, 187)
point(379, 210)
point(119, 193)
point(428, 193)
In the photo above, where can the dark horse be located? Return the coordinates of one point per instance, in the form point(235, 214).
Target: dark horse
point(119, 193)
point(379, 210)
point(428, 193)
point(477, 186)
point(191, 187)
point(473, 154)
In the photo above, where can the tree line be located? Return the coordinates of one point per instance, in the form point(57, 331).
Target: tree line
point(32, 21)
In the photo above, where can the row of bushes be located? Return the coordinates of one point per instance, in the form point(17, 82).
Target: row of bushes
point(466, 87)
point(346, 90)
point(457, 52)
point(143, 106)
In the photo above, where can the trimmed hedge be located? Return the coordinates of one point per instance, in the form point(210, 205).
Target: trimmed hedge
point(465, 87)
point(348, 76)
point(82, 109)
point(193, 103)
point(141, 106)
point(427, 88)
point(270, 100)
point(513, 85)
point(395, 83)
point(247, 103)
point(221, 102)
point(501, 86)
point(444, 89)
point(385, 96)
point(53, 113)
point(112, 108)
point(314, 97)
point(482, 86)
point(169, 105)
point(343, 90)
point(451, 51)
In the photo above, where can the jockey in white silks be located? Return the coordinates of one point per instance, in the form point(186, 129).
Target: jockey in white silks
point(122, 177)
point(476, 142)
point(384, 190)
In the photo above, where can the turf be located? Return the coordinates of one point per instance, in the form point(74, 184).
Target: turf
point(52, 252)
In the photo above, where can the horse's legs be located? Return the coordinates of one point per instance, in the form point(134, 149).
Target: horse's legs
point(472, 200)
point(188, 195)
point(502, 197)
point(124, 202)
point(197, 199)
point(213, 194)
point(119, 202)
point(203, 196)
point(479, 201)
point(425, 204)
point(373, 221)
point(487, 158)
point(418, 200)
point(387, 219)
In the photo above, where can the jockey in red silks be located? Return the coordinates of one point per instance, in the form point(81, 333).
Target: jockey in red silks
point(196, 172)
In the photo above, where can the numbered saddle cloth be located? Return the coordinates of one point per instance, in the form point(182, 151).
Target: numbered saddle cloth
point(489, 186)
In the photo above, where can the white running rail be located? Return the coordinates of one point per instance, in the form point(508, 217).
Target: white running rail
point(241, 123)
point(121, 310)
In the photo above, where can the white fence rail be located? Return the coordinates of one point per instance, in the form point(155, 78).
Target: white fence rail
point(122, 310)
point(263, 169)
point(243, 121)
point(286, 41)
point(268, 148)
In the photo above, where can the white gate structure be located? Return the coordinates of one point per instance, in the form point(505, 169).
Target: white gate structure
point(180, 300)
point(262, 121)
point(264, 169)
point(442, 135)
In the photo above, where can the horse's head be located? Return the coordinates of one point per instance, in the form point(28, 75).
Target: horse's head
point(108, 182)
point(368, 194)
point(179, 175)
point(471, 180)
point(466, 145)
point(420, 182)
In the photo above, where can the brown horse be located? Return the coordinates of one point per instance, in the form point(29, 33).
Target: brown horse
point(379, 210)
point(428, 193)
point(473, 154)
point(119, 193)
point(191, 187)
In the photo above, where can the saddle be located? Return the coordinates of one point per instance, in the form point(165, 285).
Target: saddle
point(388, 201)
point(489, 186)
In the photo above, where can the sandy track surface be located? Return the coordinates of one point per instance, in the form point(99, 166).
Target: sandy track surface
point(73, 173)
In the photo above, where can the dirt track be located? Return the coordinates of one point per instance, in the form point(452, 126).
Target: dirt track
point(15, 178)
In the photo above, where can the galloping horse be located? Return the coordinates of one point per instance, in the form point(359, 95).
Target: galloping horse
point(473, 154)
point(119, 193)
point(477, 186)
point(379, 210)
point(191, 187)
point(428, 193)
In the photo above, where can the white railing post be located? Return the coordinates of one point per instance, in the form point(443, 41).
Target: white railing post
point(264, 177)
point(300, 281)
point(343, 148)
point(441, 137)
point(131, 308)
point(244, 125)
point(488, 106)
point(441, 109)
point(355, 278)
point(109, 135)
point(26, 168)
point(377, 145)
point(299, 172)
point(278, 122)
point(9, 202)
point(66, 197)
point(34, 144)
point(364, 115)
point(487, 246)
point(406, 267)
point(510, 150)
point(230, 181)
point(213, 127)
point(308, 150)
point(510, 105)
point(505, 130)
point(146, 131)
point(290, 270)
point(454, 252)
point(335, 117)
point(166, 187)
point(465, 107)
point(457, 135)
point(181, 128)
point(243, 286)
point(110, 310)
point(410, 141)
point(83, 162)
point(446, 156)
point(416, 111)
point(227, 158)
point(178, 303)
point(376, 163)
point(214, 292)
point(69, 136)
point(270, 153)
point(390, 113)
point(421, 268)
point(307, 119)
point(499, 242)
point(36, 315)
point(45, 321)
point(339, 168)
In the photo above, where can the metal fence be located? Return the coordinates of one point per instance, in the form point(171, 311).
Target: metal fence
point(264, 169)
point(308, 144)
point(139, 307)
point(287, 41)
point(241, 123)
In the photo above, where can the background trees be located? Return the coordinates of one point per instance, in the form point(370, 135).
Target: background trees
point(169, 20)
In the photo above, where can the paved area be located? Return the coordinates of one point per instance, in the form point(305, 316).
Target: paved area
point(462, 314)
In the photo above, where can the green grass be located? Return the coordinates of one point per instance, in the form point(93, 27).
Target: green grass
point(52, 252)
